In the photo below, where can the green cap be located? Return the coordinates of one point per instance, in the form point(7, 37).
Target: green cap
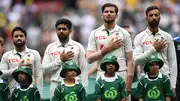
point(69, 65)
point(109, 59)
point(27, 71)
point(152, 60)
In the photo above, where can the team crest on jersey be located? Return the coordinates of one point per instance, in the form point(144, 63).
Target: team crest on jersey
point(153, 93)
point(111, 93)
point(71, 97)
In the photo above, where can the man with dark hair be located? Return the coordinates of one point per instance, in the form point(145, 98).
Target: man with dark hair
point(63, 50)
point(21, 56)
point(154, 41)
point(111, 39)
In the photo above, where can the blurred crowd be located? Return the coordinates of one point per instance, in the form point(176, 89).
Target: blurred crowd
point(38, 18)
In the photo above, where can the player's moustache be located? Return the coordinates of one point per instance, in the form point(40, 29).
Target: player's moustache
point(19, 43)
point(153, 23)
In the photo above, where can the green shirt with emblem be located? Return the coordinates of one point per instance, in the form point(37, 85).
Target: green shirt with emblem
point(4, 91)
point(29, 94)
point(110, 90)
point(69, 93)
point(154, 89)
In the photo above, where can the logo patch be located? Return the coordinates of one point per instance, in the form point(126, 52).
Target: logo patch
point(71, 97)
point(111, 93)
point(153, 93)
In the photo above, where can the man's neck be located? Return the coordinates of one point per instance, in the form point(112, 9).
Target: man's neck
point(20, 49)
point(109, 26)
point(64, 42)
point(153, 30)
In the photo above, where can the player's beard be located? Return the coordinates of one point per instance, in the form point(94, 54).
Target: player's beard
point(63, 38)
point(153, 23)
point(19, 43)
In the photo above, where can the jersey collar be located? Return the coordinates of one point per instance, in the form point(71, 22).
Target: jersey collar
point(104, 78)
point(63, 83)
point(159, 76)
point(26, 50)
point(115, 28)
point(59, 44)
point(150, 33)
point(30, 86)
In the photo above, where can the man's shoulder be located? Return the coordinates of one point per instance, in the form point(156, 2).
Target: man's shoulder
point(97, 29)
point(77, 44)
point(52, 44)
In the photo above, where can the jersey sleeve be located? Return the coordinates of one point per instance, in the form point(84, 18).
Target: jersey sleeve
point(48, 64)
point(172, 62)
point(92, 42)
point(123, 93)
point(37, 95)
point(140, 89)
point(7, 71)
point(167, 89)
point(38, 74)
point(98, 89)
point(57, 94)
point(83, 94)
point(6, 93)
point(139, 55)
point(128, 42)
point(84, 68)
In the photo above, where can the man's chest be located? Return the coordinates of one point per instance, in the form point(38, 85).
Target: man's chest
point(16, 59)
point(147, 41)
point(55, 52)
point(103, 39)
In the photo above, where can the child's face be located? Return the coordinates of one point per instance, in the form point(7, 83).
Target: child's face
point(110, 67)
point(154, 68)
point(71, 73)
point(22, 76)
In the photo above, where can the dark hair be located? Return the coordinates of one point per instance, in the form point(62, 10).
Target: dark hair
point(64, 21)
point(151, 8)
point(17, 28)
point(109, 5)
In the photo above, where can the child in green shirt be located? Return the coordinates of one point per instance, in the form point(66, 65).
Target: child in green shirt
point(26, 91)
point(4, 90)
point(154, 86)
point(69, 89)
point(110, 86)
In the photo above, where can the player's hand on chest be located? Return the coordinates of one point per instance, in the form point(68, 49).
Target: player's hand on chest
point(66, 53)
point(24, 60)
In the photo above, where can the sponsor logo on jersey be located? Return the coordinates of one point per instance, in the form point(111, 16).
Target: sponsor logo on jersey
point(147, 42)
point(71, 97)
point(153, 93)
point(100, 37)
point(13, 60)
point(111, 93)
point(55, 53)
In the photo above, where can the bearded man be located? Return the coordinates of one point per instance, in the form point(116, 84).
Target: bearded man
point(154, 41)
point(21, 56)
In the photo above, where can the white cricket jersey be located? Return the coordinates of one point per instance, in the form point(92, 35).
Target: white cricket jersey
point(143, 49)
point(99, 39)
point(52, 62)
point(11, 60)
